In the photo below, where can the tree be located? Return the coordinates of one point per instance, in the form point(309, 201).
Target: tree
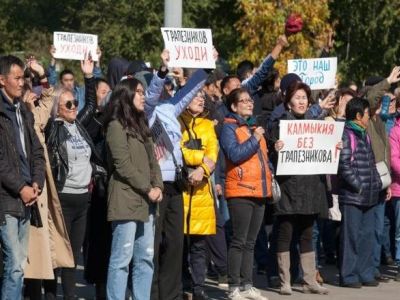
point(263, 21)
point(367, 40)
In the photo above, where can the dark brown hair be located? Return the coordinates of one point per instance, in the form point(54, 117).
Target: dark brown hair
point(121, 108)
point(293, 88)
point(234, 97)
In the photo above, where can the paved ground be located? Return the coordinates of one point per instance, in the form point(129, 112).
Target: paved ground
point(386, 291)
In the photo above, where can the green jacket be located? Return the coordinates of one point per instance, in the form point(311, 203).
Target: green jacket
point(134, 171)
point(376, 127)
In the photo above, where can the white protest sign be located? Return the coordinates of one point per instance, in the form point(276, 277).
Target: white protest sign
point(318, 73)
point(162, 144)
point(70, 45)
point(309, 147)
point(189, 47)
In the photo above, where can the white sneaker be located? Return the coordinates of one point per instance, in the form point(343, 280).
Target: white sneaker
point(235, 295)
point(253, 294)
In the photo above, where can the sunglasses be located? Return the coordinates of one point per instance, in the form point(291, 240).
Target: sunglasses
point(68, 104)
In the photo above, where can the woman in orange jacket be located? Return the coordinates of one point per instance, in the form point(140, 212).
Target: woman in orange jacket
point(247, 185)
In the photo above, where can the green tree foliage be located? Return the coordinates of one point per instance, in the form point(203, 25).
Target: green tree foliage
point(367, 37)
point(126, 28)
point(263, 21)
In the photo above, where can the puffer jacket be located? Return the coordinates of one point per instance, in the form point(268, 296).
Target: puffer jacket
point(301, 194)
point(394, 139)
point(199, 206)
point(57, 135)
point(359, 181)
point(247, 165)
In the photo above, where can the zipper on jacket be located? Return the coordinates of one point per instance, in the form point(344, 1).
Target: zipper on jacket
point(246, 186)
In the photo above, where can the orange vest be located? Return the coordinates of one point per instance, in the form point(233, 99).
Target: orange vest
point(253, 177)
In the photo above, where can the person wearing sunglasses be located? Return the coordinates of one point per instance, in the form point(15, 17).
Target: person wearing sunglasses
point(71, 152)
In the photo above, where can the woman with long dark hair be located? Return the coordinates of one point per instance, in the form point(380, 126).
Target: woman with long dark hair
point(134, 190)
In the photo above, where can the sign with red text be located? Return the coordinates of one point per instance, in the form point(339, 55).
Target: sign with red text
point(310, 147)
point(189, 47)
point(318, 73)
point(70, 45)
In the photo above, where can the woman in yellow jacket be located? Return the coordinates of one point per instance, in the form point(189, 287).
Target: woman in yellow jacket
point(200, 151)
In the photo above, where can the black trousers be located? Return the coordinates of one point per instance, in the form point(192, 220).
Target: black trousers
point(168, 246)
point(74, 208)
point(302, 224)
point(217, 248)
point(246, 216)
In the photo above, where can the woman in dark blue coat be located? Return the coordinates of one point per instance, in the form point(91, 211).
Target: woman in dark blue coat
point(359, 187)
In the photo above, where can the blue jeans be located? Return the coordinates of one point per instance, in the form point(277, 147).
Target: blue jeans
point(131, 239)
point(396, 205)
point(357, 244)
point(382, 238)
point(14, 236)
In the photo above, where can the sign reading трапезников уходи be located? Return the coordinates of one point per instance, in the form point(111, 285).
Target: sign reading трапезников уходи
point(189, 47)
point(310, 147)
point(71, 45)
point(318, 73)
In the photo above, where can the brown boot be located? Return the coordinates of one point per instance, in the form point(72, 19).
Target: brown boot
point(319, 278)
point(308, 265)
point(284, 272)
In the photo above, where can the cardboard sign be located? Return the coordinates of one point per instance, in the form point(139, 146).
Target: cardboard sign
point(162, 144)
point(309, 147)
point(71, 45)
point(189, 47)
point(318, 73)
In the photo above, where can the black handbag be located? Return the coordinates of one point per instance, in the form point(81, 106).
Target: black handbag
point(182, 172)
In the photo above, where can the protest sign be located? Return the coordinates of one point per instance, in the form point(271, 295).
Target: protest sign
point(189, 47)
point(318, 73)
point(162, 144)
point(309, 147)
point(71, 45)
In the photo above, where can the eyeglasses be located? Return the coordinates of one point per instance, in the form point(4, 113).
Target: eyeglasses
point(140, 92)
point(246, 101)
point(68, 104)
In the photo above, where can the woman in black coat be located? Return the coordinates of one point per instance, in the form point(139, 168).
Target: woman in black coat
point(303, 199)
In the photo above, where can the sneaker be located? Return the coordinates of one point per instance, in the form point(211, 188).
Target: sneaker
point(223, 281)
point(397, 278)
point(253, 294)
point(371, 283)
point(382, 278)
point(235, 295)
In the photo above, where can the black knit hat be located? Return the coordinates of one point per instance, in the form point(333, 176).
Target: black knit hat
point(287, 80)
point(136, 66)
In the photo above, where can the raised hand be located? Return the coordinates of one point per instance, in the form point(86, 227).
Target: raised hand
point(87, 66)
point(394, 75)
point(165, 59)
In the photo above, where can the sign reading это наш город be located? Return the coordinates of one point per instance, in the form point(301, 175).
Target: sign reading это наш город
point(318, 73)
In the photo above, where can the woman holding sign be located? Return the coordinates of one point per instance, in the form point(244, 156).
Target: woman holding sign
point(247, 185)
point(303, 199)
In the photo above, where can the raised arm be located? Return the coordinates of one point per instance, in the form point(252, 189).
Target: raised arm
point(156, 86)
point(87, 112)
point(254, 82)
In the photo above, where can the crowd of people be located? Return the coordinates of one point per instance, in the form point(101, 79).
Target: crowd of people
point(84, 173)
